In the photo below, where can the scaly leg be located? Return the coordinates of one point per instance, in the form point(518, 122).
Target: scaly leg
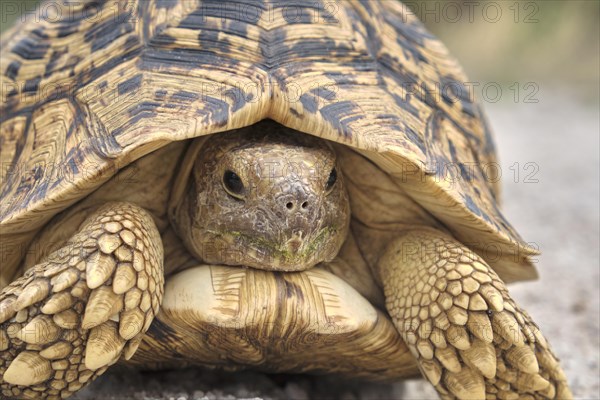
point(87, 304)
point(469, 337)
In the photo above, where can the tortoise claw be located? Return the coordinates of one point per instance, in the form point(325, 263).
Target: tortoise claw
point(470, 338)
point(63, 324)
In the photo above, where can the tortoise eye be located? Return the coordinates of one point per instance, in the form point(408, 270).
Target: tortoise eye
point(331, 180)
point(233, 184)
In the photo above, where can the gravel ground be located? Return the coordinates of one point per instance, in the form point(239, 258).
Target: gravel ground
point(559, 212)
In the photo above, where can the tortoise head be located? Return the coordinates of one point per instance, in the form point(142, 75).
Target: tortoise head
point(265, 197)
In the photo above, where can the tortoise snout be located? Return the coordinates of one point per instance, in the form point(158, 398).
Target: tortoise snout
point(298, 202)
point(298, 205)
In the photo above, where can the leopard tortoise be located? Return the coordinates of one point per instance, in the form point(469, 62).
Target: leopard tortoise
point(309, 177)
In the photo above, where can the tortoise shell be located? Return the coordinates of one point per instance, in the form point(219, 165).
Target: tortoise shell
point(103, 84)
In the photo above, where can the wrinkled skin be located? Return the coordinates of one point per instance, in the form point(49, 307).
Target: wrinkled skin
point(265, 200)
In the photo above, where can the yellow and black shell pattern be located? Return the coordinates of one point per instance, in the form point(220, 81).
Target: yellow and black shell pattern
point(90, 86)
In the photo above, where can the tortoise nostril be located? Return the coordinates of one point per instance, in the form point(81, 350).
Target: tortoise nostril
point(305, 204)
point(289, 205)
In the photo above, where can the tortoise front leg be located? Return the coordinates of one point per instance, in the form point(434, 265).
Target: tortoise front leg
point(76, 313)
point(469, 337)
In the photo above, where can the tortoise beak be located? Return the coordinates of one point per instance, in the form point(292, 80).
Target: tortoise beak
point(293, 245)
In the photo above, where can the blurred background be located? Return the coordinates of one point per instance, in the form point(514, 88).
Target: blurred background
point(552, 43)
point(544, 58)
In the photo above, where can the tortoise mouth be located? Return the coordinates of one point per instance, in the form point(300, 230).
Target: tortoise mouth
point(236, 248)
point(293, 245)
